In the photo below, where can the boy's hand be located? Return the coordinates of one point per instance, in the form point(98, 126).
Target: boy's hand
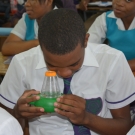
point(23, 109)
point(72, 107)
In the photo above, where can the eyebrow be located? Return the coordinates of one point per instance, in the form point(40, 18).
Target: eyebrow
point(69, 65)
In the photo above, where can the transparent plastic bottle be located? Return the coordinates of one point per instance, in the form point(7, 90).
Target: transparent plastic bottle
point(49, 93)
point(13, 5)
point(50, 87)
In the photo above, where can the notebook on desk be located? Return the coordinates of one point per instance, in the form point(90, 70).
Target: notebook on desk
point(100, 4)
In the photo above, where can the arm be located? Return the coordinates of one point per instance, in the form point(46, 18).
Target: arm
point(14, 45)
point(22, 111)
point(132, 64)
point(75, 110)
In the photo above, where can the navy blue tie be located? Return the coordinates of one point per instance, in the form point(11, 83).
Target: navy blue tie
point(78, 130)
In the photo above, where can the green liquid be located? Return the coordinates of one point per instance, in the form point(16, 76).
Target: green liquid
point(46, 103)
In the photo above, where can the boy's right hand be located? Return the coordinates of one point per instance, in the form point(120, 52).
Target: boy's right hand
point(23, 110)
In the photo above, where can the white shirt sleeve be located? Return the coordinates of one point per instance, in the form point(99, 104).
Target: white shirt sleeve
point(11, 127)
point(20, 28)
point(8, 124)
point(132, 131)
point(120, 84)
point(15, 77)
point(98, 30)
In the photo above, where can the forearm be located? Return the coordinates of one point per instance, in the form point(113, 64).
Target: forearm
point(105, 126)
point(15, 47)
point(132, 64)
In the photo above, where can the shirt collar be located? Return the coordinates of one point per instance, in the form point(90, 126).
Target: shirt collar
point(120, 23)
point(112, 15)
point(41, 63)
point(89, 58)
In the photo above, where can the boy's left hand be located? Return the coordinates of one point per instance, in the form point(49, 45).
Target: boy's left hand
point(73, 107)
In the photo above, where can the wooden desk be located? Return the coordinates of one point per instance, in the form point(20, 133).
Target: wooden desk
point(99, 9)
point(3, 67)
point(2, 40)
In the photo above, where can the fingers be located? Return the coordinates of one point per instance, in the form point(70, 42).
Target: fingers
point(28, 99)
point(70, 103)
point(31, 109)
point(23, 109)
point(71, 97)
point(31, 115)
point(64, 113)
point(28, 93)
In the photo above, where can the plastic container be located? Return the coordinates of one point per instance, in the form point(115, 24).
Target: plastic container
point(49, 93)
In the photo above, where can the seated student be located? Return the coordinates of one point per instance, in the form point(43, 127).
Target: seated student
point(24, 34)
point(118, 27)
point(16, 17)
point(101, 88)
point(81, 4)
point(8, 124)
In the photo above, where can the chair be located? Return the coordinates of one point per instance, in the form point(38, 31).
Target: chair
point(90, 20)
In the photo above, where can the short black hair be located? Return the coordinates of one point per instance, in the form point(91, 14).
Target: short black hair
point(61, 30)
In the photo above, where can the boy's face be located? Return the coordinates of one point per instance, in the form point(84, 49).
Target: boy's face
point(65, 65)
point(124, 8)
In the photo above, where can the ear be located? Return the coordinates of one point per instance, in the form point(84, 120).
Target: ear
point(86, 39)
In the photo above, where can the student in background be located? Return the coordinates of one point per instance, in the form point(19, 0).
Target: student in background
point(102, 84)
point(24, 35)
point(81, 4)
point(8, 124)
point(118, 27)
point(70, 4)
point(16, 17)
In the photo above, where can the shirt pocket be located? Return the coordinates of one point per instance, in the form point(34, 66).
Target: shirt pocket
point(94, 102)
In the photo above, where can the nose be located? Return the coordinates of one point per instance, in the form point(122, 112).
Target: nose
point(120, 2)
point(64, 72)
point(27, 3)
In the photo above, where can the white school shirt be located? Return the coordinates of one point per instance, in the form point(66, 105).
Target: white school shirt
point(20, 28)
point(104, 74)
point(8, 124)
point(131, 131)
point(98, 29)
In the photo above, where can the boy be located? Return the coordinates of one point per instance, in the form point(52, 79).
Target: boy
point(118, 27)
point(100, 82)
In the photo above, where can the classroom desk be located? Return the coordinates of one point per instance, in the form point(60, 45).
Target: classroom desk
point(3, 67)
point(2, 40)
point(95, 9)
point(98, 9)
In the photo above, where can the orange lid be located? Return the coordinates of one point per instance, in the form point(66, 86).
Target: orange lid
point(50, 73)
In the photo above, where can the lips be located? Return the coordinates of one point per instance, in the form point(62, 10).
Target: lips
point(28, 11)
point(117, 10)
